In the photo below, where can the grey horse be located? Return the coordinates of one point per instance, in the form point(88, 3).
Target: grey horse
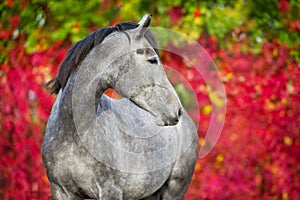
point(143, 146)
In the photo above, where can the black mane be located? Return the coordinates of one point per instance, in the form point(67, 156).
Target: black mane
point(79, 50)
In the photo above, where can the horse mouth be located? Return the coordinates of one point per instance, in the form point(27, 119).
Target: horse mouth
point(159, 122)
point(163, 120)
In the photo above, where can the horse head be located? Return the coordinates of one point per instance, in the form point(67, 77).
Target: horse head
point(143, 79)
point(126, 58)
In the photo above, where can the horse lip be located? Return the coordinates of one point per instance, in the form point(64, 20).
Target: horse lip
point(172, 124)
point(160, 122)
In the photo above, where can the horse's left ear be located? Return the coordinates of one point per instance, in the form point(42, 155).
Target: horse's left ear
point(143, 25)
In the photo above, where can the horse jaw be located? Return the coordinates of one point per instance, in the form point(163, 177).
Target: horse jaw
point(161, 103)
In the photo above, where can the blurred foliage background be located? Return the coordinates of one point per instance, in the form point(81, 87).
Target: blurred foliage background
point(255, 45)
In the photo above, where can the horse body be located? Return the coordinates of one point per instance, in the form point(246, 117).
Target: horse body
point(142, 146)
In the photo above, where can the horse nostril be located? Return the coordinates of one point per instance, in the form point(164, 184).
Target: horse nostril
point(180, 112)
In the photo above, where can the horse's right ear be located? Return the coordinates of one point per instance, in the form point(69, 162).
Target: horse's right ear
point(143, 25)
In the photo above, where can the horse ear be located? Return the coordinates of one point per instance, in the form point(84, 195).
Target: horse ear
point(143, 25)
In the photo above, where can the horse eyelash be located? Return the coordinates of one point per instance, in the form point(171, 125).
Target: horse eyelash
point(153, 60)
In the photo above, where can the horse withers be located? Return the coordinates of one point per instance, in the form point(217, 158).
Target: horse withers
point(143, 146)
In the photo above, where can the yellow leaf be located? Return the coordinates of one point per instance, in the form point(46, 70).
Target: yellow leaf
point(287, 141)
point(220, 158)
point(275, 52)
point(270, 105)
point(201, 141)
point(228, 77)
point(285, 196)
point(194, 34)
point(284, 101)
point(197, 21)
point(216, 100)
point(197, 166)
point(207, 109)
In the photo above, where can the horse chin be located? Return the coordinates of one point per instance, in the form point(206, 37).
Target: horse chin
point(160, 122)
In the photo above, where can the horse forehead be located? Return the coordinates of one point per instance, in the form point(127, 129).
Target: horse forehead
point(117, 38)
point(143, 42)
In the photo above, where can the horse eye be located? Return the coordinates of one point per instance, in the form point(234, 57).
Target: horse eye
point(153, 60)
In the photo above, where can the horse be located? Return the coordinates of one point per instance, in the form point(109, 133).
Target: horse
point(142, 146)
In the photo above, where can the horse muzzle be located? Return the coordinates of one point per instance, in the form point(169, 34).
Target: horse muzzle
point(169, 119)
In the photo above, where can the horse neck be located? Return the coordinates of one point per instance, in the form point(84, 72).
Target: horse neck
point(94, 75)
